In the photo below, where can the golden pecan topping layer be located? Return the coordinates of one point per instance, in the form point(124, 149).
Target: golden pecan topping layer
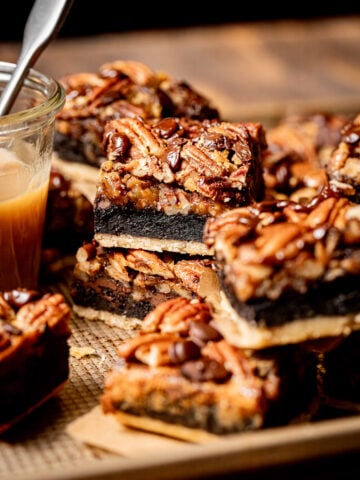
point(220, 161)
point(140, 193)
point(141, 269)
point(269, 248)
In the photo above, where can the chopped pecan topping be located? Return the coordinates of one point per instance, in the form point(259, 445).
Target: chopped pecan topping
point(148, 262)
point(233, 358)
point(47, 310)
point(343, 166)
point(137, 72)
point(141, 193)
point(218, 161)
point(122, 89)
point(175, 315)
point(190, 271)
point(181, 333)
point(150, 348)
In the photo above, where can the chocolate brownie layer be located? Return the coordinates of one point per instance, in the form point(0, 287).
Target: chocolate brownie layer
point(179, 369)
point(117, 226)
point(116, 220)
point(34, 353)
point(335, 298)
point(119, 89)
point(244, 334)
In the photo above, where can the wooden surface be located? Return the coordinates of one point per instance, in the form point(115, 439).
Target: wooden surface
point(251, 72)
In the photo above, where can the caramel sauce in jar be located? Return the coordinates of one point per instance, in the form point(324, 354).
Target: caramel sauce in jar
point(23, 197)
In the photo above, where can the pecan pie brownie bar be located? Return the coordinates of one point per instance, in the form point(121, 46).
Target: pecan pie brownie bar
point(341, 375)
point(162, 180)
point(69, 221)
point(120, 286)
point(69, 214)
point(119, 89)
point(298, 148)
point(179, 370)
point(34, 353)
point(343, 166)
point(289, 272)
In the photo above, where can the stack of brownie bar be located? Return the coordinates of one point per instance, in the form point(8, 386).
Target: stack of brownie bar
point(288, 268)
point(166, 171)
point(117, 282)
point(183, 195)
point(119, 89)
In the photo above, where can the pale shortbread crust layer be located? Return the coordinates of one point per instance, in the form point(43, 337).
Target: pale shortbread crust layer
point(128, 324)
point(240, 333)
point(152, 244)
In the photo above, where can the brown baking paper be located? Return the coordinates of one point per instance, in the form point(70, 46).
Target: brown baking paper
point(104, 431)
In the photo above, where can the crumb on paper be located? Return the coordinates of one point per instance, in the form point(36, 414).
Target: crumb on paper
point(80, 352)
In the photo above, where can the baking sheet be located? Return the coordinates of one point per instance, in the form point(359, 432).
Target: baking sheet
point(40, 447)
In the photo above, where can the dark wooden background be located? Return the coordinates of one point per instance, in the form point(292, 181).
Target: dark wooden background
point(251, 71)
point(112, 16)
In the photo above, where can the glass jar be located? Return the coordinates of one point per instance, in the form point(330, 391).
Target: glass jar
point(26, 147)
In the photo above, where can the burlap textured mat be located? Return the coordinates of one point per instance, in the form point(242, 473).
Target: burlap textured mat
point(40, 447)
point(40, 443)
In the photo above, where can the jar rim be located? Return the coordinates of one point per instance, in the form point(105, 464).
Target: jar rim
point(51, 89)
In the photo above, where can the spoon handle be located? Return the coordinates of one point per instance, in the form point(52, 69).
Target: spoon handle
point(43, 24)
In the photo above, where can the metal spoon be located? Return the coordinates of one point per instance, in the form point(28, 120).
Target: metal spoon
point(43, 24)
